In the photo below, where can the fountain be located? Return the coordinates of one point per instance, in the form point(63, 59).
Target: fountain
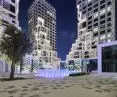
point(52, 73)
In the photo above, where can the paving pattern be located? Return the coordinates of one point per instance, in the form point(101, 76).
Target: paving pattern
point(83, 86)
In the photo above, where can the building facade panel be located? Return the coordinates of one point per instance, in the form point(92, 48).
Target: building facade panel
point(9, 10)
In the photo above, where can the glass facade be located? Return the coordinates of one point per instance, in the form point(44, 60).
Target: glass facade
point(36, 65)
point(75, 65)
point(109, 59)
point(63, 65)
point(71, 65)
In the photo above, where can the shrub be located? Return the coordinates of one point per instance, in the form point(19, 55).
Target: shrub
point(78, 74)
point(17, 78)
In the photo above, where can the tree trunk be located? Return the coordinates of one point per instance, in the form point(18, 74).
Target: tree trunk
point(20, 68)
point(12, 71)
point(21, 64)
point(32, 67)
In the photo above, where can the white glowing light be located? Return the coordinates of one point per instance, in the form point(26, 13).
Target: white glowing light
point(51, 73)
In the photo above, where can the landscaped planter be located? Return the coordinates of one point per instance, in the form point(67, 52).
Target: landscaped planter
point(78, 74)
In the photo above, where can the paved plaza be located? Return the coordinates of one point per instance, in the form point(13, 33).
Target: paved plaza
point(82, 86)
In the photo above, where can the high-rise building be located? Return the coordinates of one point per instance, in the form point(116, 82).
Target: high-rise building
point(41, 8)
point(97, 19)
point(43, 53)
point(9, 10)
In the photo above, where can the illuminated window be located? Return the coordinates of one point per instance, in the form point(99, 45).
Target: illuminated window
point(102, 11)
point(95, 15)
point(109, 8)
point(102, 37)
point(109, 35)
point(109, 40)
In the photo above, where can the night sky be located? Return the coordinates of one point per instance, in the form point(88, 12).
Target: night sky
point(66, 23)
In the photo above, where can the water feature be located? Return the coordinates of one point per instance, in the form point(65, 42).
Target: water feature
point(51, 73)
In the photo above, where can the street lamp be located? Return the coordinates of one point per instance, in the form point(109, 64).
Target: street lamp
point(1, 63)
point(2, 70)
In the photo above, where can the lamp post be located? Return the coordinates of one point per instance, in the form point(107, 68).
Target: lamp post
point(2, 70)
point(1, 63)
point(32, 66)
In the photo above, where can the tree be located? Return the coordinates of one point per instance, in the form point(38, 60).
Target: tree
point(14, 45)
point(25, 47)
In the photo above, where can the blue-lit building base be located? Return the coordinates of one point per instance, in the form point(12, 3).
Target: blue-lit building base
point(83, 65)
point(91, 65)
